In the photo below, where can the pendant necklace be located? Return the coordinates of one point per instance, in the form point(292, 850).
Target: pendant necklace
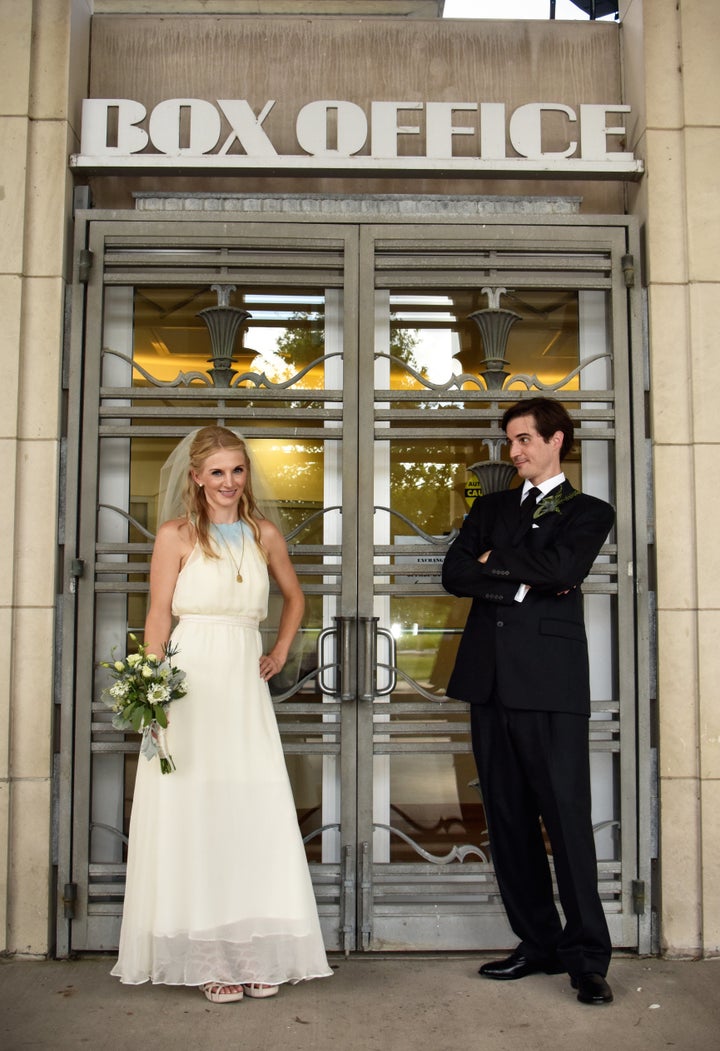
point(237, 565)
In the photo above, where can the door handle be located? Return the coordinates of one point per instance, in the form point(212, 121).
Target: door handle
point(369, 662)
point(345, 635)
point(347, 678)
point(324, 667)
point(391, 667)
point(343, 685)
point(368, 658)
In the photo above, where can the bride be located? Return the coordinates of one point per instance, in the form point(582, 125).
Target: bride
point(218, 891)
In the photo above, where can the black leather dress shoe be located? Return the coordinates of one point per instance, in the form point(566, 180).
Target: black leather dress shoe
point(592, 989)
point(517, 965)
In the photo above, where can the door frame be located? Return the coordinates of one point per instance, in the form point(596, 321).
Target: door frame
point(384, 226)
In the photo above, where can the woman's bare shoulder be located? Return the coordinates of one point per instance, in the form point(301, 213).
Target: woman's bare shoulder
point(272, 539)
point(176, 532)
point(268, 529)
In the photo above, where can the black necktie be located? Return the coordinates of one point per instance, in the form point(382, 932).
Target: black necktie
point(528, 507)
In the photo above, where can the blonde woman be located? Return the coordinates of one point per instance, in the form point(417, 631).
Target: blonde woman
point(218, 890)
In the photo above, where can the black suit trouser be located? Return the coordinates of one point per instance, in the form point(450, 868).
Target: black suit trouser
point(536, 765)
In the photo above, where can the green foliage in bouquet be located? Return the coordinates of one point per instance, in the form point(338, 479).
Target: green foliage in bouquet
point(141, 694)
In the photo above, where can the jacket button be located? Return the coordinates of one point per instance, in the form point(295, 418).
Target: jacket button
point(501, 624)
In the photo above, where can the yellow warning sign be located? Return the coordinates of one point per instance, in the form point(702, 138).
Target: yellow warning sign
point(472, 490)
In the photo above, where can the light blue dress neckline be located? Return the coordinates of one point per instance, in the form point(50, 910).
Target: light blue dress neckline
point(231, 528)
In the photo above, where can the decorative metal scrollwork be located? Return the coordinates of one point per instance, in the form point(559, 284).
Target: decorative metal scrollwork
point(495, 474)
point(439, 541)
point(318, 831)
point(393, 670)
point(456, 854)
point(128, 518)
point(494, 323)
point(462, 379)
point(278, 698)
point(533, 382)
point(256, 379)
point(601, 825)
point(223, 323)
point(151, 536)
point(311, 518)
point(454, 383)
point(109, 828)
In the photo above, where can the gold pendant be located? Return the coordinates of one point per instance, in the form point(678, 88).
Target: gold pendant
point(238, 578)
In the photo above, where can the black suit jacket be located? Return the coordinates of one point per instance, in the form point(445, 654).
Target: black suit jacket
point(534, 652)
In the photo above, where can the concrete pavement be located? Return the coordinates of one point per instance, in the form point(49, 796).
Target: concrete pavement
point(423, 1003)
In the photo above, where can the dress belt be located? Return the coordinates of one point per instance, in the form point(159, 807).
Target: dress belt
point(234, 622)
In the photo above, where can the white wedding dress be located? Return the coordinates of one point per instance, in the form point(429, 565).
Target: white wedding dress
point(218, 887)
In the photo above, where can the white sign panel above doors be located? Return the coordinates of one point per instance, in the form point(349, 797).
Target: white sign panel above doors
point(185, 134)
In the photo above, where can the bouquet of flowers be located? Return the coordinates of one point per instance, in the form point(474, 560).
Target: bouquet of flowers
point(143, 690)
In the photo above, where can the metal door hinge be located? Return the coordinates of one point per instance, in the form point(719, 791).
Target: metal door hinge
point(628, 268)
point(77, 570)
point(366, 894)
point(85, 263)
point(347, 900)
point(638, 896)
point(69, 900)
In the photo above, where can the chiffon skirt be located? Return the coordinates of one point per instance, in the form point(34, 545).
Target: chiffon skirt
point(218, 887)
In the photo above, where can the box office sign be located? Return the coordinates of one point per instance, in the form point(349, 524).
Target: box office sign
point(185, 134)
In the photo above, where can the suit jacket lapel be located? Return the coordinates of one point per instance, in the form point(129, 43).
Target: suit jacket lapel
point(510, 509)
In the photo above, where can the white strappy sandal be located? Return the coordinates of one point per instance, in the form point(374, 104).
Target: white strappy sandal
point(259, 991)
point(217, 993)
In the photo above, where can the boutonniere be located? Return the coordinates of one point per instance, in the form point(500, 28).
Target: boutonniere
point(553, 502)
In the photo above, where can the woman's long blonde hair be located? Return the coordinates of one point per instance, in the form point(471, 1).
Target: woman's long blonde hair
point(207, 441)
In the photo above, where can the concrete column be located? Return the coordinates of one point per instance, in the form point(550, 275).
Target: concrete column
point(674, 84)
point(43, 53)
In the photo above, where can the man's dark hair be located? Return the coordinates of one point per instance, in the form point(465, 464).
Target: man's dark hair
point(550, 416)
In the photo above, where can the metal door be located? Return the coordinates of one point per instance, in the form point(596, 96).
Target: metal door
point(368, 366)
point(463, 322)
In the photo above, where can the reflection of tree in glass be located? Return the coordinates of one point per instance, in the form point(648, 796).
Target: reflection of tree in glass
point(303, 340)
point(297, 474)
point(432, 363)
point(403, 342)
point(421, 492)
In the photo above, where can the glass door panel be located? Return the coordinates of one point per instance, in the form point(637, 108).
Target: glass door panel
point(448, 359)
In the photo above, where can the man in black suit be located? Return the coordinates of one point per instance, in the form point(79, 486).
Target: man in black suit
point(522, 665)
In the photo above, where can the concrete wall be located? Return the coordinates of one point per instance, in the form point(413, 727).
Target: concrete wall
point(673, 76)
point(43, 52)
point(296, 61)
point(672, 79)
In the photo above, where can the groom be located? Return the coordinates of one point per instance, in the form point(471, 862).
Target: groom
point(522, 665)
